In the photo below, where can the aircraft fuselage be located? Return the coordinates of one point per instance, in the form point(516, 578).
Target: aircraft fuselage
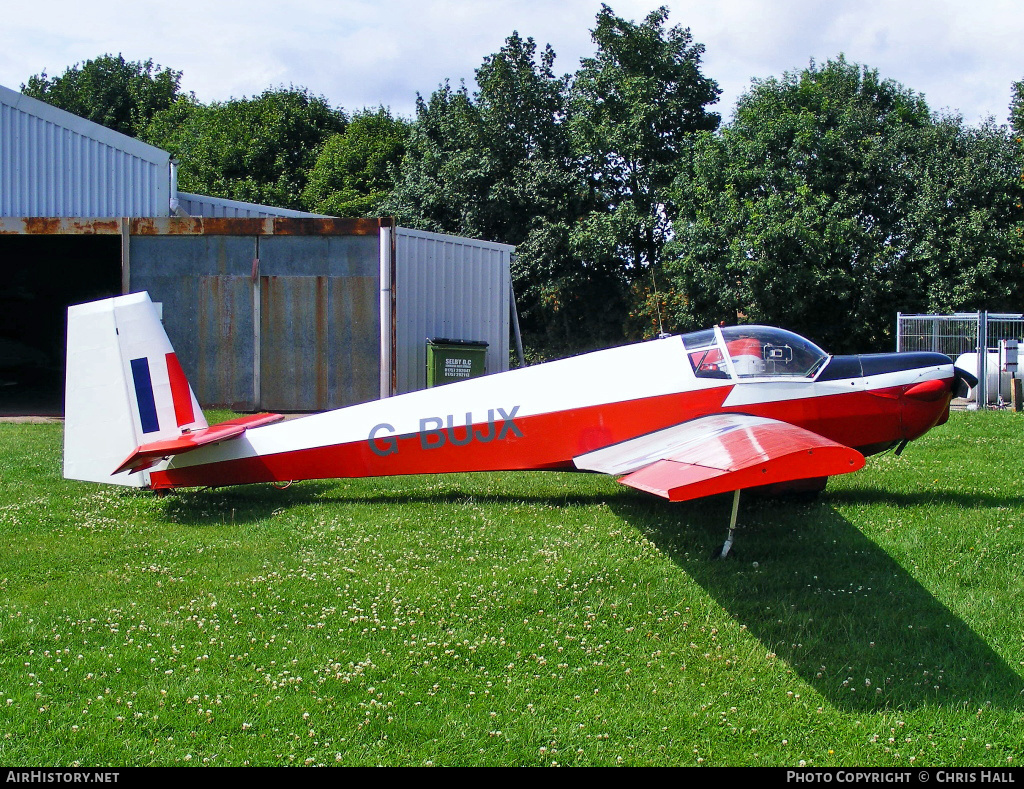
point(541, 417)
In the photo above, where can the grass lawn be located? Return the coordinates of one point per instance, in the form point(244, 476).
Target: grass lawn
point(517, 619)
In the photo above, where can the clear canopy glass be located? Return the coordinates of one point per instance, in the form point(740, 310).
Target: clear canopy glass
point(752, 352)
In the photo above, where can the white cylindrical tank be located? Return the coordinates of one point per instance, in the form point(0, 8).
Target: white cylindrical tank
point(997, 384)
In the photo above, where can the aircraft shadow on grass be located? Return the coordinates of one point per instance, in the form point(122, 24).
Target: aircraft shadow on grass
point(250, 504)
point(854, 616)
point(851, 614)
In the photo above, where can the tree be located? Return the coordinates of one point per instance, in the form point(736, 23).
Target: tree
point(433, 191)
point(963, 222)
point(793, 214)
point(1017, 109)
point(258, 149)
point(568, 301)
point(634, 106)
point(573, 171)
point(498, 165)
point(483, 164)
point(835, 200)
point(356, 169)
point(121, 95)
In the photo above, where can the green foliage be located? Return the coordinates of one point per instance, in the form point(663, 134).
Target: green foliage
point(633, 107)
point(356, 169)
point(121, 95)
point(479, 164)
point(1017, 109)
point(572, 171)
point(498, 165)
point(258, 149)
point(439, 163)
point(834, 200)
point(568, 301)
point(963, 220)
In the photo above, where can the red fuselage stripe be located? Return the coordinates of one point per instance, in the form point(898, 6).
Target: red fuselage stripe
point(551, 441)
point(546, 441)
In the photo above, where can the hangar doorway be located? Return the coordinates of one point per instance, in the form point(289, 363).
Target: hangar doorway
point(41, 275)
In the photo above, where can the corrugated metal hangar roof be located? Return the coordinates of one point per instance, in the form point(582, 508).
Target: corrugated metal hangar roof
point(53, 163)
point(56, 164)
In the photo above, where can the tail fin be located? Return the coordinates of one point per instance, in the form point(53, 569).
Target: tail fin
point(124, 388)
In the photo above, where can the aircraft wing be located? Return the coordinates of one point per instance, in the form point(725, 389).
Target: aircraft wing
point(150, 454)
point(721, 453)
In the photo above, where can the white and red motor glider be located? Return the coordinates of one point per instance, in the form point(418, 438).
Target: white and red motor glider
point(715, 411)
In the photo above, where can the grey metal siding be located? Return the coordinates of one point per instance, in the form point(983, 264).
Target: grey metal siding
point(203, 205)
point(53, 163)
point(205, 286)
point(286, 323)
point(451, 287)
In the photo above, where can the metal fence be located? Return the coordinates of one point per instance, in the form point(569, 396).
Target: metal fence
point(984, 335)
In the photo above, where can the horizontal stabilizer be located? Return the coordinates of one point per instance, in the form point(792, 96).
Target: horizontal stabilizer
point(721, 453)
point(149, 455)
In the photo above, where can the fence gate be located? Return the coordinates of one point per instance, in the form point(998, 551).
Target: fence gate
point(980, 333)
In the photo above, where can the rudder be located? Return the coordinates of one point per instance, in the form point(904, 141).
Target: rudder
point(124, 387)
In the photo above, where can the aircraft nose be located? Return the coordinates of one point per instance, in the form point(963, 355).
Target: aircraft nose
point(923, 403)
point(879, 363)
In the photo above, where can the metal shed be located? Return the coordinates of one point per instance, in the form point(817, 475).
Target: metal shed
point(310, 314)
point(203, 205)
point(268, 308)
point(450, 287)
point(56, 164)
point(286, 314)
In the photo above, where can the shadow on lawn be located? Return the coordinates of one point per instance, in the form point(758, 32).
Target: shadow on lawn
point(832, 604)
point(238, 504)
point(250, 503)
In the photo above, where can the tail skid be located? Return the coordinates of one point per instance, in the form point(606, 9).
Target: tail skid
point(124, 390)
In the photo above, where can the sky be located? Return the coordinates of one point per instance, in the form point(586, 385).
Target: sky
point(963, 56)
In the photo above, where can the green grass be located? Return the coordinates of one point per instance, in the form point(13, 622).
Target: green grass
point(516, 619)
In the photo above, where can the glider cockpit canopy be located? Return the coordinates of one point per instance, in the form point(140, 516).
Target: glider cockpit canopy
point(752, 352)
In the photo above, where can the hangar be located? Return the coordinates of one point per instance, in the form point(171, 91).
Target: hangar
point(268, 308)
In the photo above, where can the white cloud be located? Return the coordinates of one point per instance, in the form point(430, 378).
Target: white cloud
point(360, 53)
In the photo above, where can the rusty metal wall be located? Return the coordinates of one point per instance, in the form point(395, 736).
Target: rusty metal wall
point(285, 313)
point(205, 285)
point(319, 322)
point(286, 323)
